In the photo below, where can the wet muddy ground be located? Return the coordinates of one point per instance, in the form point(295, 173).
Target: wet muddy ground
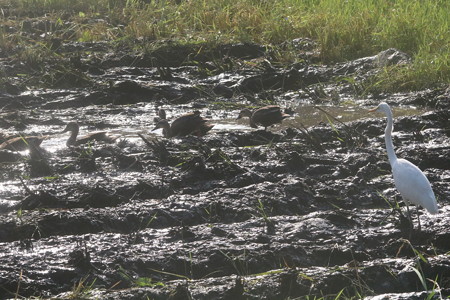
point(306, 208)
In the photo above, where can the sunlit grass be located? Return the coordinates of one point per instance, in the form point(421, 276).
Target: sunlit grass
point(344, 29)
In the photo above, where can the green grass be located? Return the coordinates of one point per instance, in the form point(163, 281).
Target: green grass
point(344, 29)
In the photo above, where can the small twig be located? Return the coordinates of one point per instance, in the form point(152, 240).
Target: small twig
point(330, 115)
point(146, 141)
point(27, 189)
point(310, 137)
point(351, 129)
point(18, 284)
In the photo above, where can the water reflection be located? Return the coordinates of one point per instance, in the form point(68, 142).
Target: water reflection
point(310, 115)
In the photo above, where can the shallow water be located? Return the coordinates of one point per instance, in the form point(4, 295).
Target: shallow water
point(139, 119)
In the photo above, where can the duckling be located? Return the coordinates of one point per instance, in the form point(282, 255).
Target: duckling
point(21, 143)
point(264, 116)
point(191, 123)
point(96, 136)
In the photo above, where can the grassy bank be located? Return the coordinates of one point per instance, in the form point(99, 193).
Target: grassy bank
point(344, 29)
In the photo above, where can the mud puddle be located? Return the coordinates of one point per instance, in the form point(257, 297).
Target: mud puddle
point(305, 209)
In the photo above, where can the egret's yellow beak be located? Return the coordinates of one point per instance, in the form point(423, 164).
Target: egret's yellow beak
point(373, 109)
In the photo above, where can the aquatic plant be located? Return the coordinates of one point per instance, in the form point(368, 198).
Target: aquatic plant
point(82, 289)
point(420, 258)
point(139, 281)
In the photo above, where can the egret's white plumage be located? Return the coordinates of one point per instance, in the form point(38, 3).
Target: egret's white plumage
point(409, 180)
point(413, 185)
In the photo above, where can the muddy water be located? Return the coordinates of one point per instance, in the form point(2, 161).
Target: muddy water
point(302, 210)
point(127, 123)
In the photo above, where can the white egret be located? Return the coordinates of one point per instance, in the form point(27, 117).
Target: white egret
point(409, 180)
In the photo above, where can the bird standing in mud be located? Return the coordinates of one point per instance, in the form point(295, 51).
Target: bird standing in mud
point(409, 180)
point(264, 116)
point(96, 136)
point(188, 124)
point(21, 143)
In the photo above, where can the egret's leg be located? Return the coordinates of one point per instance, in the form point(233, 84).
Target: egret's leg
point(418, 219)
point(411, 224)
point(409, 215)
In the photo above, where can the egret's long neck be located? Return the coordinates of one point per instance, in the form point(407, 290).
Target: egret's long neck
point(388, 138)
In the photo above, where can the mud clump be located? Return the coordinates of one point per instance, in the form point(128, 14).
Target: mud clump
point(292, 212)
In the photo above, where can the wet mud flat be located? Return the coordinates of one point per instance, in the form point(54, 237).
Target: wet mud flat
point(303, 209)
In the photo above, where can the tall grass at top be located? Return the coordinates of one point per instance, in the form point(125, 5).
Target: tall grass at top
point(344, 29)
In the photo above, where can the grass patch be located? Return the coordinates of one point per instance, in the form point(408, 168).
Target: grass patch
point(426, 71)
point(344, 29)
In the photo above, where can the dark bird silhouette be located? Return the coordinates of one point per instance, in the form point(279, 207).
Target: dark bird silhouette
point(264, 116)
point(188, 124)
